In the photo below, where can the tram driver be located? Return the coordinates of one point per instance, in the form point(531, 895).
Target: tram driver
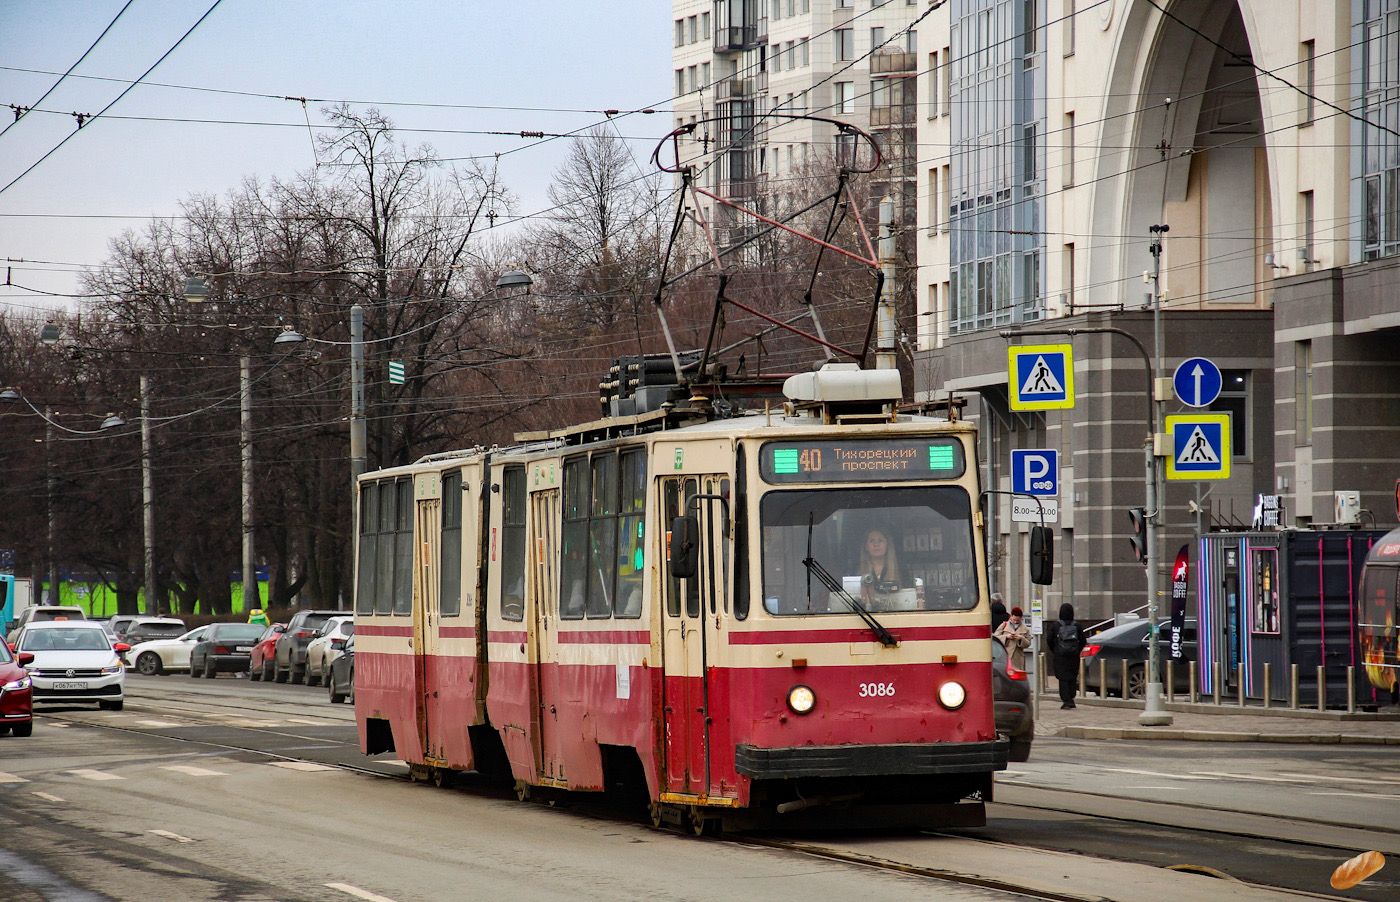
point(884, 586)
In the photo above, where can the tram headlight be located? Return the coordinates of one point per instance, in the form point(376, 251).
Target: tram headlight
point(801, 699)
point(951, 695)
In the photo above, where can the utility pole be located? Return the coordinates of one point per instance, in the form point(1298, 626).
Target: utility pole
point(251, 598)
point(885, 357)
point(357, 399)
point(52, 485)
point(1154, 710)
point(148, 500)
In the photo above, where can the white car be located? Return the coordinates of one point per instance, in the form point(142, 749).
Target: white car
point(74, 661)
point(159, 656)
point(326, 647)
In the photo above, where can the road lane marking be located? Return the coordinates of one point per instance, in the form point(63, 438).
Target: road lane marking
point(1252, 777)
point(1153, 773)
point(49, 797)
point(1316, 778)
point(158, 723)
point(194, 771)
point(359, 893)
point(263, 724)
point(95, 775)
point(1355, 795)
point(301, 765)
point(175, 836)
point(306, 723)
point(11, 778)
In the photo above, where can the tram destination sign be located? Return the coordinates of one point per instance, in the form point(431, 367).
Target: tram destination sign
point(870, 460)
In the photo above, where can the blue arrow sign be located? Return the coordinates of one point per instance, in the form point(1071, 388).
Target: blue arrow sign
point(1035, 472)
point(1197, 382)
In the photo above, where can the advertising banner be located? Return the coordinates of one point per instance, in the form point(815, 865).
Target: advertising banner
point(1178, 626)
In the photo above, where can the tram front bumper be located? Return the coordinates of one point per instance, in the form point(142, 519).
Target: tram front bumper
point(930, 758)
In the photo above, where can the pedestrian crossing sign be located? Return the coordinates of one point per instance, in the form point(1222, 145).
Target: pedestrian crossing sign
point(1041, 377)
point(1200, 446)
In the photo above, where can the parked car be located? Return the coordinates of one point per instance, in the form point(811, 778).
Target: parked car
point(224, 648)
point(143, 629)
point(340, 682)
point(117, 623)
point(42, 614)
point(74, 661)
point(326, 647)
point(290, 661)
point(262, 660)
point(1128, 642)
point(16, 693)
point(1011, 704)
point(164, 655)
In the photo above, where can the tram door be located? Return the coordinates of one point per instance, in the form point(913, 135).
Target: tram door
point(542, 555)
point(427, 577)
point(690, 635)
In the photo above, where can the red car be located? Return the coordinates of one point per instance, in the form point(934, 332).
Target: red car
point(16, 696)
point(264, 660)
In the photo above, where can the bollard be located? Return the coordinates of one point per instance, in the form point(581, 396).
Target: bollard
point(1192, 683)
point(1103, 678)
point(1215, 685)
point(1239, 683)
point(1293, 686)
point(1123, 678)
point(1171, 680)
point(1321, 687)
point(1268, 684)
point(1083, 689)
point(1351, 688)
point(1039, 674)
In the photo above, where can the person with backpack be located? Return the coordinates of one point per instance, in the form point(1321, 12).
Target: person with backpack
point(1066, 641)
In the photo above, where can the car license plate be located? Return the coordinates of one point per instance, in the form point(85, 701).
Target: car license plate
point(69, 684)
point(243, 648)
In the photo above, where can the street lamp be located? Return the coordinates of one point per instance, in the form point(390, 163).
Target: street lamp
point(1154, 712)
point(515, 278)
point(358, 440)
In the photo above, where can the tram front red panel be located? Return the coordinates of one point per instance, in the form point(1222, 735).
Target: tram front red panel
point(383, 690)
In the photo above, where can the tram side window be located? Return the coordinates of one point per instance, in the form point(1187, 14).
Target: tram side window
point(403, 547)
point(513, 544)
point(630, 534)
point(671, 502)
point(384, 557)
point(692, 586)
point(602, 537)
point(369, 542)
point(573, 569)
point(450, 593)
point(741, 540)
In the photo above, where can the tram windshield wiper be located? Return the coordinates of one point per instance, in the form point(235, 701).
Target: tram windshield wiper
point(826, 579)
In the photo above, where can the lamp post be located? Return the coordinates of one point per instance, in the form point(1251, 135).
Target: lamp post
point(1154, 712)
point(358, 441)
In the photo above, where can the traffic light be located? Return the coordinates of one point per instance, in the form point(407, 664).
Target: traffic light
point(1138, 516)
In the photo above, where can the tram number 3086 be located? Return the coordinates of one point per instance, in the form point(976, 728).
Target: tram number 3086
point(870, 690)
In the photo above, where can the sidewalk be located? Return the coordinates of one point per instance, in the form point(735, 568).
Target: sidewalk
point(1112, 718)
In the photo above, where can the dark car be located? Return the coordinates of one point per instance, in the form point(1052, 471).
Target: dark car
point(1011, 703)
point(290, 661)
point(262, 663)
point(341, 680)
point(1126, 645)
point(16, 693)
point(225, 648)
point(144, 629)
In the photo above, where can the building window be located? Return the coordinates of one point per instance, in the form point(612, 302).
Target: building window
point(1069, 27)
point(690, 30)
point(1069, 150)
point(845, 97)
point(947, 196)
point(803, 52)
point(1069, 275)
point(933, 94)
point(845, 44)
point(705, 75)
point(1302, 393)
point(946, 83)
point(877, 37)
point(1030, 28)
point(1376, 101)
point(1306, 252)
point(1309, 80)
point(1028, 151)
point(933, 199)
point(680, 32)
point(705, 26)
point(1234, 400)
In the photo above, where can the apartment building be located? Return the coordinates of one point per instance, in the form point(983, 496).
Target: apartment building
point(1233, 165)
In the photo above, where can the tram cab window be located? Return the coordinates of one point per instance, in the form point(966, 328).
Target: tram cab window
point(385, 555)
point(513, 543)
point(631, 534)
point(602, 536)
point(450, 580)
point(897, 549)
point(369, 545)
point(671, 509)
point(573, 569)
point(403, 547)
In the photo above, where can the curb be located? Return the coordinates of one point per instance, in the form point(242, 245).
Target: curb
point(1135, 733)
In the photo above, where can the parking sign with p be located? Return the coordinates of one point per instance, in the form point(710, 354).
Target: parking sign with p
point(1035, 472)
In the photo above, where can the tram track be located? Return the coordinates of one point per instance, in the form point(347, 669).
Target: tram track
point(1022, 799)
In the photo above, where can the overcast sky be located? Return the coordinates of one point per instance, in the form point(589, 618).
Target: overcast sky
point(549, 63)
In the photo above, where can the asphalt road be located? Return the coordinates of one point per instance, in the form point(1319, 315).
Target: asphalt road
point(230, 790)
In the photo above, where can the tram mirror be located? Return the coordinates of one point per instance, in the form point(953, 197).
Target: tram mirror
point(685, 547)
point(1042, 555)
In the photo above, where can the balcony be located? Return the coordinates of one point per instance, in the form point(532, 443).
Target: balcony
point(888, 116)
point(733, 38)
point(893, 62)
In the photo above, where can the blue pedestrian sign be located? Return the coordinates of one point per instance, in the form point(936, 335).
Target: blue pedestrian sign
point(1197, 382)
point(1200, 446)
point(1040, 377)
point(1035, 472)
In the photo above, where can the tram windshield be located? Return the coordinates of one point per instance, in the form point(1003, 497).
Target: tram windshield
point(898, 549)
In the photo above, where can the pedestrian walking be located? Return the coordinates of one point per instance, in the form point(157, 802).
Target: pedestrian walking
point(1016, 636)
point(1065, 640)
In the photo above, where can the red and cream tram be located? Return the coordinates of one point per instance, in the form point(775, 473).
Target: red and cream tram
point(700, 601)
